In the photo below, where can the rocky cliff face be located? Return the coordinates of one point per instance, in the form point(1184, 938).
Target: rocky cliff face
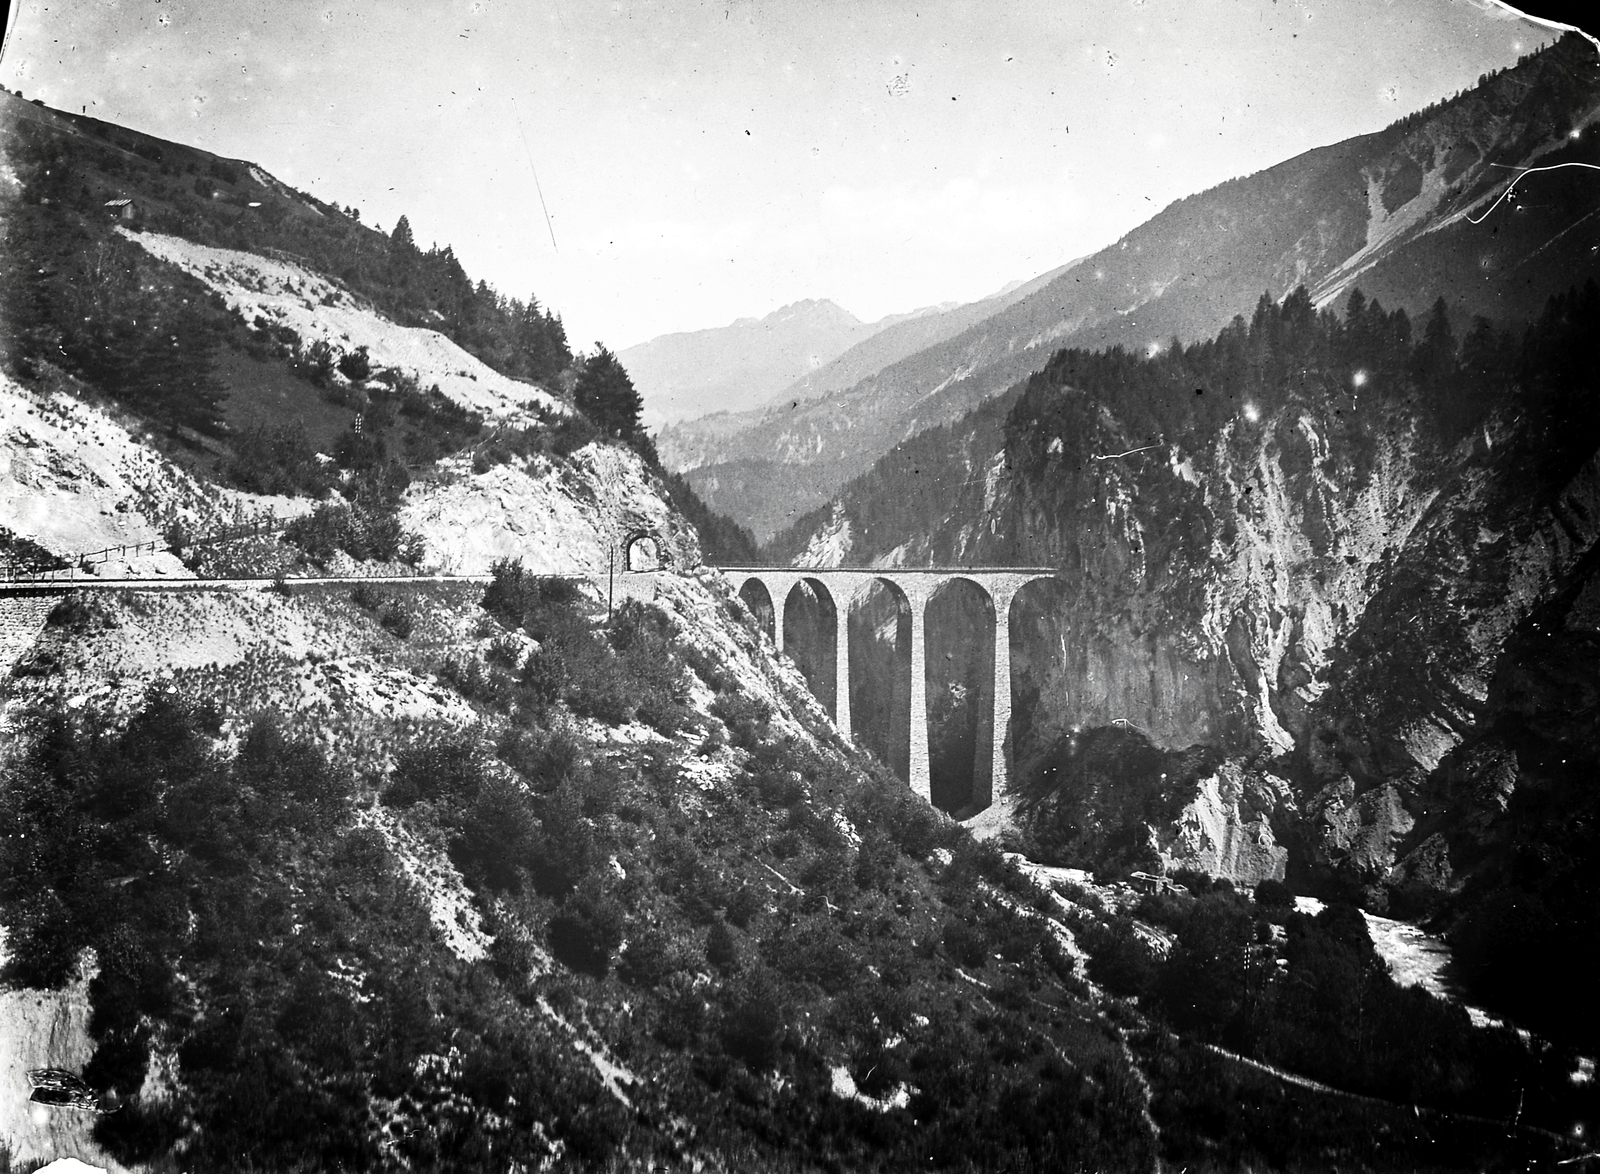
point(1316, 565)
point(1207, 595)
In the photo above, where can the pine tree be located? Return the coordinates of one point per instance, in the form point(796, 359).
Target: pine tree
point(721, 949)
point(401, 235)
point(606, 394)
point(1436, 356)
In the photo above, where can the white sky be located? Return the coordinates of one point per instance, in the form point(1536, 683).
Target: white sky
point(707, 161)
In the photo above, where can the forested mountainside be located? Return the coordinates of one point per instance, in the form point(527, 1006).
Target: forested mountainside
point(519, 872)
point(411, 876)
point(1388, 210)
point(77, 163)
point(1340, 563)
point(258, 326)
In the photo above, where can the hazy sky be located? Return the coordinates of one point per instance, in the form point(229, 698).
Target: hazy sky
point(706, 161)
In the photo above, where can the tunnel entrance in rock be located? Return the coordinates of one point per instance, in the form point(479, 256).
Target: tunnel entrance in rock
point(879, 630)
point(1038, 669)
point(754, 595)
point(810, 637)
point(643, 551)
point(959, 675)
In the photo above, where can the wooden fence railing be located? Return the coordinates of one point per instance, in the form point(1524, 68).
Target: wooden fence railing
point(78, 564)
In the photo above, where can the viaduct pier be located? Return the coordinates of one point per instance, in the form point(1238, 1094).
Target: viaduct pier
point(770, 591)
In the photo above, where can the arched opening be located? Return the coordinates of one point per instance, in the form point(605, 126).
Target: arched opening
point(1041, 687)
point(959, 674)
point(879, 630)
point(755, 596)
point(809, 637)
point(643, 551)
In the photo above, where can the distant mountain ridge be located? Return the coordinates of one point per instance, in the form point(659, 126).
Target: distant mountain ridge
point(741, 365)
point(1387, 210)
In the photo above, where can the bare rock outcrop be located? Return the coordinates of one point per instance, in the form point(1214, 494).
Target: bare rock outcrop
point(1226, 829)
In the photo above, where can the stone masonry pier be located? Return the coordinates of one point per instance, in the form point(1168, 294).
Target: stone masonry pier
point(913, 587)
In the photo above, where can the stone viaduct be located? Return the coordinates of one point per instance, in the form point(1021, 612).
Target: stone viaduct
point(913, 587)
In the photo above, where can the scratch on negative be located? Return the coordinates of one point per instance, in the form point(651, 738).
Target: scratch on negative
point(1524, 173)
point(1111, 456)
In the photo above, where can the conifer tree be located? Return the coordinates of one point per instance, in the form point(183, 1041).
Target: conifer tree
point(401, 235)
point(1436, 356)
point(606, 394)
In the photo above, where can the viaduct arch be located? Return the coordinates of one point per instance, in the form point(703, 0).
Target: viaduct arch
point(767, 591)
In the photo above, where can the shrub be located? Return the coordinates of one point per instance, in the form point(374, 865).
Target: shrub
point(546, 758)
point(477, 683)
point(598, 683)
point(875, 860)
point(514, 594)
point(316, 362)
point(512, 952)
point(72, 613)
point(813, 952)
point(278, 460)
point(495, 835)
point(1274, 895)
point(366, 528)
point(649, 959)
point(360, 451)
point(721, 949)
point(449, 766)
point(681, 1014)
point(599, 789)
point(915, 827)
point(587, 930)
point(355, 365)
point(564, 851)
point(965, 943)
point(278, 767)
point(1119, 959)
point(544, 676)
point(571, 432)
point(753, 1025)
point(745, 904)
point(397, 619)
point(505, 651)
point(323, 532)
point(780, 788)
point(745, 717)
point(366, 597)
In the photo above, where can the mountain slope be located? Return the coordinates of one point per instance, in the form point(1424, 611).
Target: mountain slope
point(904, 338)
point(1388, 208)
point(1325, 576)
point(739, 366)
point(522, 873)
point(411, 875)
